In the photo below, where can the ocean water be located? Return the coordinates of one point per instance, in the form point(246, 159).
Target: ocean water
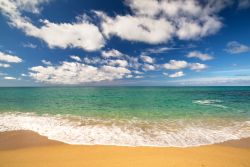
point(131, 116)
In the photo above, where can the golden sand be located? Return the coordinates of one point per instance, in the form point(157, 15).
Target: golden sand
point(28, 149)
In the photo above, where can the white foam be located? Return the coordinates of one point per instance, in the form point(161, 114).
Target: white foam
point(215, 103)
point(93, 131)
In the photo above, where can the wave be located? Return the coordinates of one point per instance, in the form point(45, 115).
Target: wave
point(134, 132)
point(215, 103)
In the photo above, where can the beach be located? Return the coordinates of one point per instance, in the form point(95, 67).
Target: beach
point(124, 127)
point(27, 148)
point(124, 83)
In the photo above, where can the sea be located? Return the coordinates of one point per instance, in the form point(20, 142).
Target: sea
point(129, 116)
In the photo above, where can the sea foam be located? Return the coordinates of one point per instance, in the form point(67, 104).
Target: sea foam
point(215, 103)
point(134, 132)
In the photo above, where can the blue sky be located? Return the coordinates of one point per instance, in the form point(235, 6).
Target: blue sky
point(130, 42)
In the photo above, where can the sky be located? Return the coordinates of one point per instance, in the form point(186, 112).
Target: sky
point(124, 42)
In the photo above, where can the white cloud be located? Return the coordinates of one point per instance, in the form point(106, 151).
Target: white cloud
point(9, 78)
point(76, 58)
point(133, 62)
point(181, 64)
point(94, 60)
point(9, 58)
point(151, 21)
point(148, 67)
point(174, 75)
point(175, 65)
point(144, 29)
point(46, 62)
point(24, 75)
point(166, 74)
point(30, 6)
point(193, 29)
point(207, 81)
point(2, 74)
point(129, 76)
point(235, 47)
point(177, 74)
point(4, 65)
point(121, 63)
point(77, 73)
point(159, 50)
point(147, 59)
point(29, 45)
point(139, 77)
point(155, 21)
point(169, 8)
point(111, 53)
point(199, 55)
point(197, 66)
point(13, 7)
point(137, 72)
point(83, 34)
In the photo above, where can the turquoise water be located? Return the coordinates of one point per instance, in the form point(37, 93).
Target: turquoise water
point(142, 115)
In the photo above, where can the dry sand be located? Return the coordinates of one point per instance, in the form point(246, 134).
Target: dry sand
point(28, 149)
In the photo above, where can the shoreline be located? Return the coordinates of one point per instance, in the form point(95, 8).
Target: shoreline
point(28, 138)
point(30, 149)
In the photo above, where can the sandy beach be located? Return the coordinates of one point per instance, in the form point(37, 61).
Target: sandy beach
point(26, 148)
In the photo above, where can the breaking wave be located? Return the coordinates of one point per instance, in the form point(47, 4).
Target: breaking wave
point(215, 103)
point(124, 132)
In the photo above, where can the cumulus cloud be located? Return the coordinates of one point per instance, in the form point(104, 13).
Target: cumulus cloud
point(113, 58)
point(154, 21)
point(133, 62)
point(111, 53)
point(137, 72)
point(2, 74)
point(181, 64)
point(82, 34)
point(121, 63)
point(91, 69)
point(9, 58)
point(12, 7)
point(4, 65)
point(94, 60)
point(76, 58)
point(129, 76)
point(197, 66)
point(145, 29)
point(175, 65)
point(159, 50)
point(151, 21)
point(148, 67)
point(139, 77)
point(174, 75)
point(9, 78)
point(147, 59)
point(76, 73)
point(235, 47)
point(199, 55)
point(169, 8)
point(46, 62)
point(177, 74)
point(192, 29)
point(29, 45)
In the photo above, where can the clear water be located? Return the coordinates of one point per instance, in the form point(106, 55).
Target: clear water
point(135, 116)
